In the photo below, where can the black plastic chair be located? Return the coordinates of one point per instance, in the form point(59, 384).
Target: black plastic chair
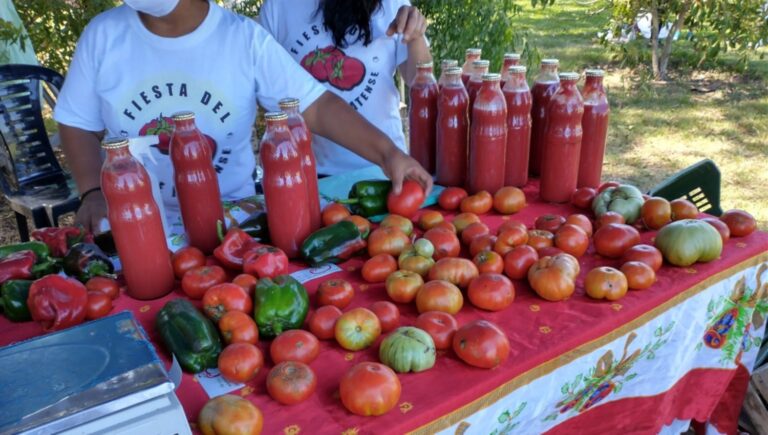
point(31, 178)
point(699, 183)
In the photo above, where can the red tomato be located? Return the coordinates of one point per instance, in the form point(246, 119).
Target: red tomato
point(720, 226)
point(549, 251)
point(446, 226)
point(479, 203)
point(539, 239)
point(481, 343)
point(387, 240)
point(246, 281)
point(408, 201)
point(613, 240)
point(185, 259)
point(440, 326)
point(439, 295)
point(510, 238)
point(474, 230)
point(323, 322)
point(489, 262)
point(369, 388)
point(508, 225)
point(458, 271)
point(238, 327)
point(430, 219)
point(265, 262)
point(463, 220)
point(225, 297)
point(198, 280)
point(683, 209)
point(571, 239)
point(639, 275)
point(363, 225)
point(519, 260)
point(553, 278)
point(388, 314)
point(582, 197)
point(105, 285)
point(549, 222)
point(99, 305)
point(397, 221)
point(491, 292)
point(646, 254)
point(605, 283)
point(508, 200)
point(294, 345)
point(450, 198)
point(334, 213)
point(337, 292)
point(230, 411)
point(656, 212)
point(610, 217)
point(739, 222)
point(446, 243)
point(240, 362)
point(291, 382)
point(482, 243)
point(378, 268)
point(357, 329)
point(607, 184)
point(580, 221)
point(403, 285)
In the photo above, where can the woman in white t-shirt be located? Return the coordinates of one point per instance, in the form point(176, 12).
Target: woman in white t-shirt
point(354, 48)
point(138, 63)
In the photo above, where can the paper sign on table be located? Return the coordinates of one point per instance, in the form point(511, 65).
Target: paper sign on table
point(214, 384)
point(306, 275)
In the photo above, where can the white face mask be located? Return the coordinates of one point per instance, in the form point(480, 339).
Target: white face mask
point(156, 8)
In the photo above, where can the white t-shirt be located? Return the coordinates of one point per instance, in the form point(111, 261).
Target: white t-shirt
point(129, 81)
point(362, 76)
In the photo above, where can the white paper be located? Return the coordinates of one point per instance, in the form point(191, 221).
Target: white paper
point(214, 384)
point(174, 373)
point(306, 275)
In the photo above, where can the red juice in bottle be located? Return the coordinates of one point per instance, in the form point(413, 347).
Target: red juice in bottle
point(519, 101)
point(303, 138)
point(444, 65)
point(196, 183)
point(480, 68)
point(544, 86)
point(452, 130)
point(285, 189)
point(135, 222)
point(488, 137)
point(510, 59)
point(595, 127)
point(562, 141)
point(422, 116)
point(470, 56)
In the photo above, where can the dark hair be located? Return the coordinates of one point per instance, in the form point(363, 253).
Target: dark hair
point(348, 18)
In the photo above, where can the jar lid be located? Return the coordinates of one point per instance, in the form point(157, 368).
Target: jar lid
point(515, 56)
point(275, 116)
point(183, 116)
point(447, 63)
point(288, 102)
point(492, 77)
point(114, 143)
point(550, 62)
point(454, 70)
point(517, 69)
point(594, 73)
point(481, 63)
point(569, 76)
point(424, 65)
point(476, 51)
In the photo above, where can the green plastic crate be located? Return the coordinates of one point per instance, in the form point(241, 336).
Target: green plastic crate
point(698, 183)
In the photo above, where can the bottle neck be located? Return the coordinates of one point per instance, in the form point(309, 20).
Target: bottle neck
point(184, 125)
point(491, 84)
point(548, 73)
point(291, 109)
point(516, 81)
point(116, 154)
point(568, 85)
point(471, 58)
point(424, 75)
point(477, 73)
point(594, 83)
point(510, 61)
point(276, 125)
point(453, 80)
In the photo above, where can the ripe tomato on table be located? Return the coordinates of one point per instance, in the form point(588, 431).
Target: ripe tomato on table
point(363, 225)
point(481, 343)
point(509, 239)
point(378, 268)
point(357, 329)
point(240, 362)
point(388, 314)
point(403, 285)
point(430, 219)
point(246, 281)
point(291, 382)
point(739, 222)
point(508, 200)
point(322, 322)
point(463, 220)
point(720, 226)
point(265, 262)
point(223, 298)
point(334, 213)
point(105, 285)
point(572, 239)
point(294, 345)
point(186, 259)
point(387, 240)
point(482, 243)
point(519, 260)
point(458, 271)
point(397, 221)
point(408, 201)
point(549, 222)
point(489, 262)
point(580, 221)
point(553, 278)
point(230, 411)
point(238, 327)
point(582, 197)
point(491, 292)
point(605, 283)
point(445, 242)
point(639, 275)
point(479, 203)
point(607, 184)
point(439, 295)
point(508, 225)
point(646, 254)
point(540, 239)
point(683, 209)
point(369, 389)
point(656, 212)
point(99, 305)
point(196, 281)
point(474, 230)
point(613, 240)
point(450, 198)
point(440, 326)
point(610, 217)
point(336, 292)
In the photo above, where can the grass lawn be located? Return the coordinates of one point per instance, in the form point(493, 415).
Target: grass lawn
point(657, 129)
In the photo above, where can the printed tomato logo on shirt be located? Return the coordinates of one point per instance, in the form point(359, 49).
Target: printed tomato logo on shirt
point(162, 127)
point(331, 65)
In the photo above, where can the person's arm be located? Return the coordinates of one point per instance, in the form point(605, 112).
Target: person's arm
point(410, 23)
point(82, 150)
point(362, 138)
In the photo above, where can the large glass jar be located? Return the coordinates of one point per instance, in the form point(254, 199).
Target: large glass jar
point(544, 86)
point(595, 127)
point(488, 137)
point(422, 116)
point(452, 130)
point(519, 101)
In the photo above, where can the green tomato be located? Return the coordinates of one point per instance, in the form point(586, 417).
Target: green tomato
point(424, 247)
point(624, 199)
point(408, 349)
point(687, 241)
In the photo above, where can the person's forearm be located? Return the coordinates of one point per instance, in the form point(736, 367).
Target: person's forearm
point(418, 52)
point(82, 150)
point(329, 116)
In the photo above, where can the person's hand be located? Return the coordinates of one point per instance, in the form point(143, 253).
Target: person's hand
point(91, 212)
point(409, 22)
point(400, 166)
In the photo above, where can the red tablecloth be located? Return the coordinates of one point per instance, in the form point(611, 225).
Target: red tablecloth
point(543, 336)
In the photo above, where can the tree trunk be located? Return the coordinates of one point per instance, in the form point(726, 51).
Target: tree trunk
point(667, 50)
point(655, 39)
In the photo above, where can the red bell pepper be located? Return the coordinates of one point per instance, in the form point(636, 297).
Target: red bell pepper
point(265, 262)
point(17, 265)
point(230, 252)
point(57, 302)
point(60, 239)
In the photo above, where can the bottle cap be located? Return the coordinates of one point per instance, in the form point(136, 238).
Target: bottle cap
point(517, 69)
point(424, 65)
point(481, 63)
point(594, 73)
point(492, 77)
point(514, 56)
point(288, 102)
point(183, 116)
point(475, 51)
point(447, 63)
point(454, 70)
point(114, 143)
point(550, 62)
point(275, 116)
point(569, 76)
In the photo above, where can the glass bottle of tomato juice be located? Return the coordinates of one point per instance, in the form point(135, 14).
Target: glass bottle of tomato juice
point(562, 141)
point(285, 188)
point(595, 127)
point(303, 138)
point(519, 101)
point(452, 130)
point(470, 56)
point(480, 68)
point(136, 224)
point(510, 59)
point(422, 116)
point(544, 86)
point(196, 183)
point(488, 137)
point(444, 65)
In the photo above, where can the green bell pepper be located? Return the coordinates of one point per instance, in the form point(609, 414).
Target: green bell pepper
point(332, 244)
point(13, 299)
point(281, 303)
point(40, 249)
point(189, 335)
point(368, 197)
